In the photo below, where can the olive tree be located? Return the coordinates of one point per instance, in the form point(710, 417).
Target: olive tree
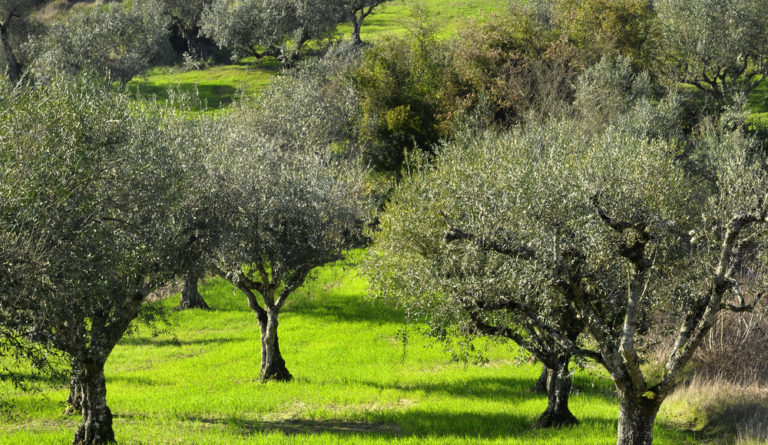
point(89, 179)
point(357, 11)
point(609, 223)
point(313, 105)
point(118, 39)
point(716, 46)
point(268, 27)
point(288, 212)
point(186, 16)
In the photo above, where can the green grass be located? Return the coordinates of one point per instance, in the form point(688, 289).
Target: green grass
point(396, 17)
point(353, 383)
point(218, 85)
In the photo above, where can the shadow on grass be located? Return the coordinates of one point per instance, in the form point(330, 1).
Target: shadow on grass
point(175, 342)
point(214, 96)
point(410, 423)
point(350, 308)
point(512, 389)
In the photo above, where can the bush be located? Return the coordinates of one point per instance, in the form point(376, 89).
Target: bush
point(400, 85)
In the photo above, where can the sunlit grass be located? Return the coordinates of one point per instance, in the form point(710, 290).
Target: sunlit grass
point(218, 85)
point(354, 382)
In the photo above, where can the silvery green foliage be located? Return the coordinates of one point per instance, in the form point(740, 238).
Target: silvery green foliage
point(611, 91)
point(716, 45)
point(608, 223)
point(118, 39)
point(609, 88)
point(287, 210)
point(268, 27)
point(93, 185)
point(312, 107)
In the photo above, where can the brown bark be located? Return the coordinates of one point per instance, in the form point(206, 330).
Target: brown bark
point(541, 382)
point(356, 25)
point(190, 296)
point(557, 413)
point(14, 68)
point(636, 418)
point(75, 398)
point(272, 362)
point(96, 427)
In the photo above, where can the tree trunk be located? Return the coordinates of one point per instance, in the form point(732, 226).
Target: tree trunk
point(75, 398)
point(541, 383)
point(14, 68)
point(557, 413)
point(356, 25)
point(272, 363)
point(636, 418)
point(190, 296)
point(97, 418)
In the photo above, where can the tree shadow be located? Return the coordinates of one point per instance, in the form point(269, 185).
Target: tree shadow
point(350, 308)
point(175, 342)
point(511, 389)
point(413, 423)
point(212, 96)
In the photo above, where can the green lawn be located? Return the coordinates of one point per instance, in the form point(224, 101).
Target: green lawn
point(355, 383)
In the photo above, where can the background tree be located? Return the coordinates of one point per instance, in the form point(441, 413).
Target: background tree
point(268, 27)
point(186, 16)
point(314, 105)
point(289, 211)
point(358, 11)
point(715, 46)
point(16, 24)
point(120, 39)
point(90, 181)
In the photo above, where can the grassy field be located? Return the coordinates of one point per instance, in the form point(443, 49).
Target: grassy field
point(354, 382)
point(218, 85)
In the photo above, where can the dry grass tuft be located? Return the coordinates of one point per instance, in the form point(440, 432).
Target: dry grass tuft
point(719, 407)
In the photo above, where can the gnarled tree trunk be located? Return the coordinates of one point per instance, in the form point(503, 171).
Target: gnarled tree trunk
point(636, 417)
point(190, 296)
point(14, 67)
point(541, 382)
point(272, 363)
point(96, 427)
point(75, 398)
point(557, 413)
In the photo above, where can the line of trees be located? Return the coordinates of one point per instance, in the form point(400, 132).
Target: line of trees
point(123, 39)
point(99, 207)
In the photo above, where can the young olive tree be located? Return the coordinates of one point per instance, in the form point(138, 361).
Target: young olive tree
point(716, 46)
point(119, 39)
point(89, 179)
point(608, 223)
point(357, 11)
point(289, 211)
